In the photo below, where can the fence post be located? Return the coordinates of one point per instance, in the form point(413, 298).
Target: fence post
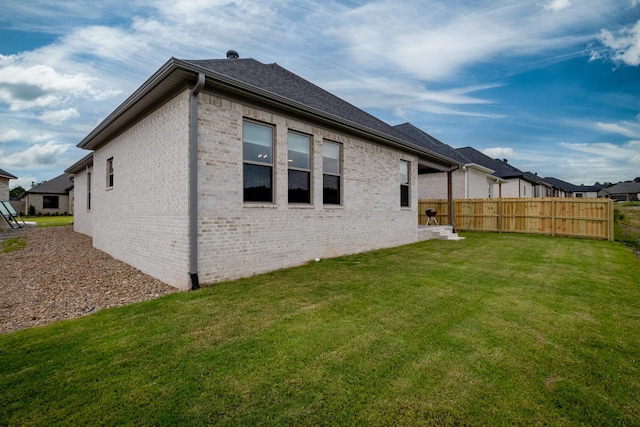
point(500, 215)
point(553, 217)
point(611, 220)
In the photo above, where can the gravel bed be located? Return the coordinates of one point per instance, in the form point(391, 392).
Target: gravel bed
point(60, 275)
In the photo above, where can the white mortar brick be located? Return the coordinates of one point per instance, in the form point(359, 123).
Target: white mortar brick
point(143, 219)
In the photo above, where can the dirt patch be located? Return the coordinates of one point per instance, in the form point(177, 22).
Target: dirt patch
point(60, 275)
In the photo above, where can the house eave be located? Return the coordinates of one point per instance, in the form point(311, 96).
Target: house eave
point(176, 73)
point(81, 164)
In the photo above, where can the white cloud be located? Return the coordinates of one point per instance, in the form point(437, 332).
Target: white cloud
point(557, 5)
point(57, 117)
point(10, 135)
point(401, 95)
point(106, 43)
point(623, 46)
point(499, 152)
point(38, 86)
point(625, 128)
point(437, 41)
point(624, 154)
point(34, 156)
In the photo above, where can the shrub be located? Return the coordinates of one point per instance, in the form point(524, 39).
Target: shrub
point(32, 210)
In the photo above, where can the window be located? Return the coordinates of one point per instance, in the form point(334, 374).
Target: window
point(257, 154)
point(299, 156)
point(110, 172)
point(88, 191)
point(331, 173)
point(404, 183)
point(50, 202)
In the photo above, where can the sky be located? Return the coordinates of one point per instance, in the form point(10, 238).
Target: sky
point(551, 85)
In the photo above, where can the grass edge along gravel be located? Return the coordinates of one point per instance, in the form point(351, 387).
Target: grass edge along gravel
point(492, 330)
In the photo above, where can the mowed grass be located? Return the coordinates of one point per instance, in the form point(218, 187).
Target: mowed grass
point(492, 330)
point(50, 221)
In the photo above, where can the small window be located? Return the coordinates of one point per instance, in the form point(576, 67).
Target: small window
point(404, 183)
point(257, 154)
point(50, 202)
point(331, 162)
point(299, 158)
point(110, 172)
point(88, 191)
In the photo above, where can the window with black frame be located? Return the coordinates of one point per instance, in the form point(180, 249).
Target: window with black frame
point(331, 173)
point(257, 154)
point(299, 159)
point(50, 202)
point(110, 172)
point(404, 183)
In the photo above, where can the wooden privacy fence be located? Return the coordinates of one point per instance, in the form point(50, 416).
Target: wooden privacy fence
point(589, 218)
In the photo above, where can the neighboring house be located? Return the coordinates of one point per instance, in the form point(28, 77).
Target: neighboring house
point(566, 189)
point(541, 188)
point(4, 184)
point(219, 169)
point(516, 184)
point(469, 181)
point(622, 192)
point(52, 197)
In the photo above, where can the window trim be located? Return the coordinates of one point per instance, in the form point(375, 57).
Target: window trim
point(50, 198)
point(339, 174)
point(110, 172)
point(406, 184)
point(271, 165)
point(308, 171)
point(89, 191)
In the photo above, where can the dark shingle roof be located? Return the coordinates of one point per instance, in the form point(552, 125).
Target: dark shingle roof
point(502, 169)
point(58, 185)
point(276, 80)
point(572, 188)
point(624, 188)
point(431, 143)
point(5, 174)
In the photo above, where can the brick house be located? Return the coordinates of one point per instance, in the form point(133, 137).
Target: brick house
point(469, 181)
point(4, 184)
point(52, 197)
point(514, 182)
point(219, 169)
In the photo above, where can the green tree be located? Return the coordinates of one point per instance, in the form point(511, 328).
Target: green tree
point(16, 192)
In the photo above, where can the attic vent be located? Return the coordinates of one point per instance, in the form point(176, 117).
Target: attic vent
point(232, 54)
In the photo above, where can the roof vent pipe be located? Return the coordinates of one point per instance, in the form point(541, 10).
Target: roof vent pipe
point(232, 54)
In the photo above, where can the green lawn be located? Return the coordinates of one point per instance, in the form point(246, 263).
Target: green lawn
point(50, 221)
point(492, 330)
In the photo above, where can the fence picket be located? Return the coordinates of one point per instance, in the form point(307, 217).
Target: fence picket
point(588, 218)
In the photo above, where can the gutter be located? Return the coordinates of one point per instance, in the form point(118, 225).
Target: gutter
point(193, 182)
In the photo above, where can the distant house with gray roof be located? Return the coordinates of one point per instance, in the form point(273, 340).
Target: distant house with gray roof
point(622, 192)
point(566, 189)
point(516, 183)
point(225, 168)
point(52, 197)
point(4, 184)
point(469, 180)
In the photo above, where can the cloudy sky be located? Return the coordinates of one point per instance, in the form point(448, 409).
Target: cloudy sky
point(551, 85)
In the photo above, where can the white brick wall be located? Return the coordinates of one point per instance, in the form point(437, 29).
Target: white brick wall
point(4, 189)
point(238, 239)
point(143, 219)
point(82, 217)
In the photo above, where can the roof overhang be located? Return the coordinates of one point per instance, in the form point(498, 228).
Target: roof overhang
point(81, 164)
point(176, 75)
